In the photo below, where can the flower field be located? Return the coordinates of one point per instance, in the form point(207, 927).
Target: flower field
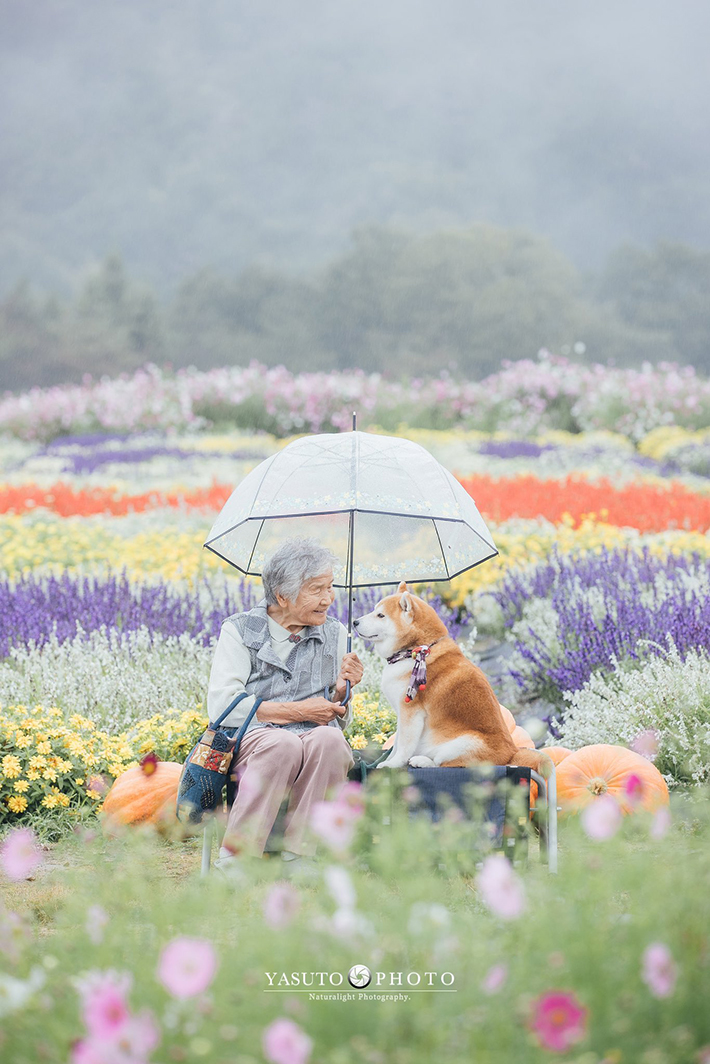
point(595, 484)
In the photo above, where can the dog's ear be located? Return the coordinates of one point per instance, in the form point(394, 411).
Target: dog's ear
point(405, 603)
point(402, 587)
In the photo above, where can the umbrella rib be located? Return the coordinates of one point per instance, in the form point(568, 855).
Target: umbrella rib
point(441, 548)
point(256, 540)
point(381, 583)
point(307, 458)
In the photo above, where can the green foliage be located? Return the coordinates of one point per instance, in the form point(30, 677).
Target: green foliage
point(584, 932)
point(663, 290)
point(406, 304)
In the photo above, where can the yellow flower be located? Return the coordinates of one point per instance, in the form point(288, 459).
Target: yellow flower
point(17, 805)
point(358, 742)
point(44, 747)
point(37, 764)
point(50, 801)
point(32, 774)
point(21, 786)
point(95, 795)
point(79, 780)
point(11, 766)
point(50, 774)
point(22, 741)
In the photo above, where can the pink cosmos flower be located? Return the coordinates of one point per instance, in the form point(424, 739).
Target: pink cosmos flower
point(87, 1051)
point(96, 920)
point(98, 784)
point(149, 763)
point(20, 854)
point(340, 886)
point(601, 818)
point(187, 966)
point(132, 1044)
point(334, 822)
point(353, 797)
point(559, 1020)
point(139, 1037)
point(281, 905)
point(250, 784)
point(659, 971)
point(661, 823)
point(703, 1055)
point(284, 1042)
point(494, 979)
point(501, 888)
point(104, 1004)
point(646, 743)
point(633, 789)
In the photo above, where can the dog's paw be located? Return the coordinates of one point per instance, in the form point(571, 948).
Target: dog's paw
point(392, 762)
point(421, 761)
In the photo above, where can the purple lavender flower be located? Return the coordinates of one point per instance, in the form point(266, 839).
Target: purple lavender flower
point(635, 614)
point(35, 606)
point(366, 598)
point(513, 448)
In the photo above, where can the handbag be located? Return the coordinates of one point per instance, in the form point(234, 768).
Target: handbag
point(206, 767)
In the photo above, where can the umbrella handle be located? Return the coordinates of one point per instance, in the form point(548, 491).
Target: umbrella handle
point(347, 693)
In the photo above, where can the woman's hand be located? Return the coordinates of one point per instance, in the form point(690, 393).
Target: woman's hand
point(351, 669)
point(318, 710)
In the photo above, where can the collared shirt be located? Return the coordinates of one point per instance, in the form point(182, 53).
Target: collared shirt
point(231, 668)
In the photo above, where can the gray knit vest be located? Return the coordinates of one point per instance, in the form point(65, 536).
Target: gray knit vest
point(311, 666)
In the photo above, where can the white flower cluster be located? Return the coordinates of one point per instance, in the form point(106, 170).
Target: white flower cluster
point(113, 678)
point(666, 695)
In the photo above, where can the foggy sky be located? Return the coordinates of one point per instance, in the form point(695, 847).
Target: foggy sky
point(185, 133)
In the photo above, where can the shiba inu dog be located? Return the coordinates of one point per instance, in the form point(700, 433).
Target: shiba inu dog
point(447, 711)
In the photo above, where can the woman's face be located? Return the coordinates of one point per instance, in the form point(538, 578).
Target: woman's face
point(314, 600)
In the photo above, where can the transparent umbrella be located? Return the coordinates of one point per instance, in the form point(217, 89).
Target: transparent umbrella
point(382, 504)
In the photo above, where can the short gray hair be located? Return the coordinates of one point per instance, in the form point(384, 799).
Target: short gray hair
point(296, 560)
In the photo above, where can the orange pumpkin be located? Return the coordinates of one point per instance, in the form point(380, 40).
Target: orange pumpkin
point(140, 798)
point(508, 718)
point(521, 738)
point(606, 769)
point(556, 754)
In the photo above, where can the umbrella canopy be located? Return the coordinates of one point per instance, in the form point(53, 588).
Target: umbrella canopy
point(382, 504)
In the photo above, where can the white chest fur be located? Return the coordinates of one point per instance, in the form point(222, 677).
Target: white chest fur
point(395, 680)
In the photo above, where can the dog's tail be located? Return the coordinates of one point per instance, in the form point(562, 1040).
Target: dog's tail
point(534, 759)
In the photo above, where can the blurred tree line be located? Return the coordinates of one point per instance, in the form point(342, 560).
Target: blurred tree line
point(394, 302)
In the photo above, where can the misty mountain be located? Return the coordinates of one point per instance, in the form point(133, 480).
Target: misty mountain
point(215, 133)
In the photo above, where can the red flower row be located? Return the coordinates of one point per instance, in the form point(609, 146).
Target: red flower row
point(647, 507)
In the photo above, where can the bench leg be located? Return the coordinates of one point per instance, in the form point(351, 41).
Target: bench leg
point(207, 847)
point(548, 831)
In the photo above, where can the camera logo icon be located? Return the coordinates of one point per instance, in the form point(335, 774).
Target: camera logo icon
point(359, 976)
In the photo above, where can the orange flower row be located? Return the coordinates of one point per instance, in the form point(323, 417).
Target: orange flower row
point(647, 507)
point(65, 501)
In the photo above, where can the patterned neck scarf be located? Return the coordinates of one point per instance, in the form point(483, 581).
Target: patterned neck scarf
point(417, 681)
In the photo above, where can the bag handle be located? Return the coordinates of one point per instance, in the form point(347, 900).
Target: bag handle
point(229, 709)
point(245, 725)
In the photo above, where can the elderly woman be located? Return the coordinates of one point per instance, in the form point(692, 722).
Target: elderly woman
point(287, 651)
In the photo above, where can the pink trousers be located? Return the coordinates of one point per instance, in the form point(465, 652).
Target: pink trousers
point(313, 765)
